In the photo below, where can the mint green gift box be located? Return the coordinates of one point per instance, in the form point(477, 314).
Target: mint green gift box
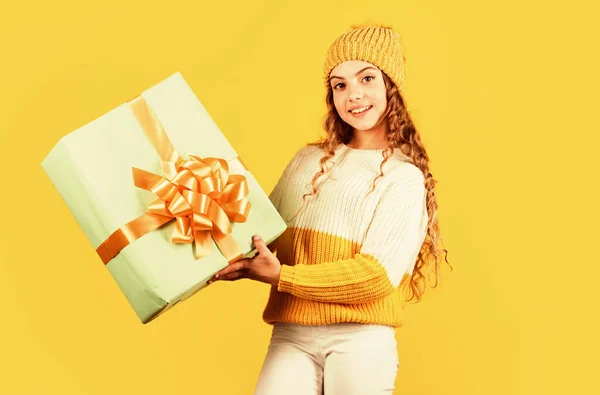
point(92, 170)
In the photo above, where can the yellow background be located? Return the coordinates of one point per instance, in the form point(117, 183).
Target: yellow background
point(505, 96)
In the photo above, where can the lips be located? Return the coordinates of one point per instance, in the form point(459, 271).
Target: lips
point(361, 114)
point(368, 108)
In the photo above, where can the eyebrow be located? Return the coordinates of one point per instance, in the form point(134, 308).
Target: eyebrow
point(368, 67)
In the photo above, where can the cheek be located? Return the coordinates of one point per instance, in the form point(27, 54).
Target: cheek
point(338, 106)
point(381, 99)
point(382, 95)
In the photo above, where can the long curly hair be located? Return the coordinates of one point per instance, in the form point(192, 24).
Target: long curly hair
point(401, 134)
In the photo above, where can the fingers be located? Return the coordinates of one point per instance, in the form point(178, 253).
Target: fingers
point(240, 274)
point(260, 245)
point(239, 265)
point(237, 270)
point(229, 272)
point(234, 276)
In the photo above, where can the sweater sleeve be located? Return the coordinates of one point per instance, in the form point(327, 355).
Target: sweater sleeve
point(390, 248)
point(277, 192)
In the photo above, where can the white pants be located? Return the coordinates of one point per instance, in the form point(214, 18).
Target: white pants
point(339, 359)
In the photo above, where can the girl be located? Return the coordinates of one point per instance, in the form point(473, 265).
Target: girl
point(348, 253)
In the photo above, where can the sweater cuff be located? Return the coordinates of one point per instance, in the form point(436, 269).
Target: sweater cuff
point(286, 279)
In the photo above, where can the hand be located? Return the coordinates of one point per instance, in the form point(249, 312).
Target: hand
point(263, 267)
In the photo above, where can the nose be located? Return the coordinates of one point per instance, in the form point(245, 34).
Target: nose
point(355, 94)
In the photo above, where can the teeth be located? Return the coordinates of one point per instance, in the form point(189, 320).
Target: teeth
point(359, 110)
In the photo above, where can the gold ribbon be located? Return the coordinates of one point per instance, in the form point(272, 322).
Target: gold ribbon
point(200, 194)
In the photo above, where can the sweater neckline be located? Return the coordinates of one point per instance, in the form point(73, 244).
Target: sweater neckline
point(364, 150)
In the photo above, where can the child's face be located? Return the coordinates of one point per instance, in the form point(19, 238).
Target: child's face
point(358, 90)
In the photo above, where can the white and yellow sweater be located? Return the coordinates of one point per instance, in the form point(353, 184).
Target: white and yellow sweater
point(344, 256)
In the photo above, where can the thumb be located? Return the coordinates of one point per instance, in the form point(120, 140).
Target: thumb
point(260, 245)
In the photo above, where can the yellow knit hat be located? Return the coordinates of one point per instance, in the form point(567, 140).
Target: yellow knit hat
point(377, 44)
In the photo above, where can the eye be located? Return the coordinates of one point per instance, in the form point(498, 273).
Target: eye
point(337, 85)
point(369, 76)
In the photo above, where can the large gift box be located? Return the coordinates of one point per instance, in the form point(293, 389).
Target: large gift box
point(161, 195)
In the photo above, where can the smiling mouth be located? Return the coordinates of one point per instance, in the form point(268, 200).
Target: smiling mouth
point(364, 109)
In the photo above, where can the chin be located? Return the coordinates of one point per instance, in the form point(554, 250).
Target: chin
point(361, 126)
point(364, 128)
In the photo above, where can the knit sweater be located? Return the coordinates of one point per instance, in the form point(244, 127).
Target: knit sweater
point(345, 254)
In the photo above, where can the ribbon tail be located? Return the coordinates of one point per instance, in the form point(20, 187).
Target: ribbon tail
point(153, 129)
point(182, 231)
point(228, 246)
point(144, 179)
point(202, 243)
point(128, 233)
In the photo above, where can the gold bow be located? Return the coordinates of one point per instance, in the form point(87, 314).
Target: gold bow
point(200, 194)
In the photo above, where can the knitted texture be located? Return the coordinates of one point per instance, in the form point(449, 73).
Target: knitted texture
point(344, 256)
point(378, 45)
